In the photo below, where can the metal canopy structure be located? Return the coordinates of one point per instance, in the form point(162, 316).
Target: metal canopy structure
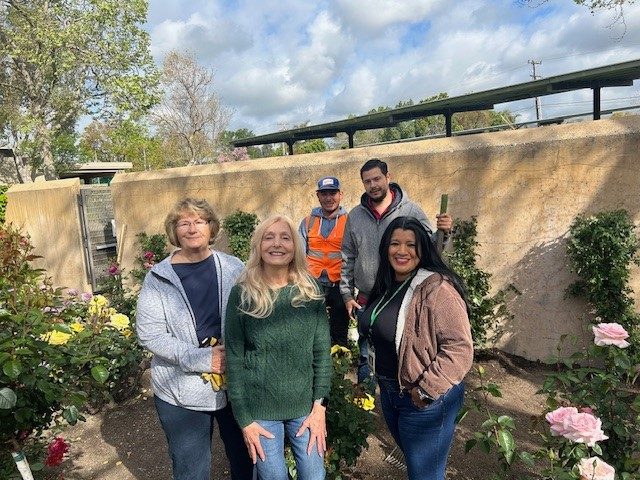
point(616, 75)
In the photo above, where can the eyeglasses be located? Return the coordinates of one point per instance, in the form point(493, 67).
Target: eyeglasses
point(198, 224)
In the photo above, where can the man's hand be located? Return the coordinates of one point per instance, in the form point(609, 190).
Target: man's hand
point(444, 222)
point(317, 426)
point(352, 307)
point(218, 359)
point(251, 434)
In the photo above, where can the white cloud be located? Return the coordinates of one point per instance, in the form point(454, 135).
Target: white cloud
point(290, 61)
point(356, 97)
point(376, 15)
point(206, 38)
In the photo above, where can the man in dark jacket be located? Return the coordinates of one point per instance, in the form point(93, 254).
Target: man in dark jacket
point(382, 201)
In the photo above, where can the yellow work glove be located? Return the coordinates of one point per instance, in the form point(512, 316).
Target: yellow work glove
point(218, 381)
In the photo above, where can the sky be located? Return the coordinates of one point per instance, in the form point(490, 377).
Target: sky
point(282, 63)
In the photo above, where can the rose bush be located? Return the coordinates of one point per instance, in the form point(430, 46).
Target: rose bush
point(601, 379)
point(58, 352)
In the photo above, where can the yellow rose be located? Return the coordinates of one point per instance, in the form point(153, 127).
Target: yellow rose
point(339, 349)
point(56, 338)
point(99, 301)
point(365, 403)
point(77, 327)
point(119, 321)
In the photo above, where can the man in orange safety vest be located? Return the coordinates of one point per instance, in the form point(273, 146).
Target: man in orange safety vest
point(322, 232)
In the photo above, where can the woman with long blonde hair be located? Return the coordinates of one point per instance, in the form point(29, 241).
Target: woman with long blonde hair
point(278, 361)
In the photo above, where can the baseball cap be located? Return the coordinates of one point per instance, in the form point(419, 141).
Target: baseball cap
point(328, 183)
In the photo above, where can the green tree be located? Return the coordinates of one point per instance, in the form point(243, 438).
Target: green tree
point(65, 58)
point(310, 146)
point(122, 141)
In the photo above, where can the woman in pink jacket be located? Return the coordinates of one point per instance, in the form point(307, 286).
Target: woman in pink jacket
point(417, 323)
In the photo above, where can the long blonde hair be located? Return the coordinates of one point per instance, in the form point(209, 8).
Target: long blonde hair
point(257, 296)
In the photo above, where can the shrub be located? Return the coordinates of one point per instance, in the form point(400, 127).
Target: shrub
point(349, 419)
point(153, 249)
point(239, 227)
point(601, 249)
point(603, 377)
point(599, 381)
point(58, 352)
point(3, 202)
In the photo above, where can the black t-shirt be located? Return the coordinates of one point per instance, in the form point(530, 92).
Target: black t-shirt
point(200, 282)
point(383, 332)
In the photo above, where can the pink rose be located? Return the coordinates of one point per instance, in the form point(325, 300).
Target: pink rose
point(595, 469)
point(610, 334)
point(149, 255)
point(113, 269)
point(86, 296)
point(556, 419)
point(583, 428)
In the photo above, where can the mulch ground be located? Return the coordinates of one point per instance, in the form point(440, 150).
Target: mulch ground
point(127, 442)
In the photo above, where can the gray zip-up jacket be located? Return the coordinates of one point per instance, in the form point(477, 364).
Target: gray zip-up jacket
point(361, 241)
point(165, 325)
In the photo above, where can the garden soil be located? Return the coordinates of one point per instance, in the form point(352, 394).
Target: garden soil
point(126, 442)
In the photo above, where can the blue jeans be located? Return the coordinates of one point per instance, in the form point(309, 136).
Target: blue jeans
point(424, 434)
point(189, 436)
point(310, 467)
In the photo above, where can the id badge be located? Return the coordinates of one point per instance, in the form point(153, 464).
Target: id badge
point(371, 358)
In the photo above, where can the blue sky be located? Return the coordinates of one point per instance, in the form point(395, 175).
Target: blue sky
point(285, 62)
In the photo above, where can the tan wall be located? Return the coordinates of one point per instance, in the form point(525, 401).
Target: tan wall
point(525, 186)
point(48, 212)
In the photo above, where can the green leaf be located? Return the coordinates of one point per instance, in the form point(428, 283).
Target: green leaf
point(3, 357)
point(597, 448)
point(12, 368)
point(507, 445)
point(63, 327)
point(8, 398)
point(527, 458)
point(99, 373)
point(506, 421)
point(469, 444)
point(71, 414)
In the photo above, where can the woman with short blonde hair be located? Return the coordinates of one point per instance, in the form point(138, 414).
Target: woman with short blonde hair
point(198, 207)
point(180, 319)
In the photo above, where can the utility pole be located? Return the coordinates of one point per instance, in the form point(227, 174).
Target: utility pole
point(535, 77)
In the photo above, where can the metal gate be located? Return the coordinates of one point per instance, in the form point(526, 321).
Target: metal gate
point(98, 232)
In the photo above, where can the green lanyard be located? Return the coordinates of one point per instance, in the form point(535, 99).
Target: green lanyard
point(378, 308)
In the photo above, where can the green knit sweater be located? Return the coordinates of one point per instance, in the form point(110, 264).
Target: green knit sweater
point(278, 365)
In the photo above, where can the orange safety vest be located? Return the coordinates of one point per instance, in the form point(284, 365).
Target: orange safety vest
point(324, 253)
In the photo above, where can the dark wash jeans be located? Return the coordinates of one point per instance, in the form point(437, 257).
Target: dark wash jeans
point(424, 434)
point(189, 436)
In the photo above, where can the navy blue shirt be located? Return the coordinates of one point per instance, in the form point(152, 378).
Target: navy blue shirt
point(200, 282)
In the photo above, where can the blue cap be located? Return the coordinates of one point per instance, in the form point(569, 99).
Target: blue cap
point(328, 183)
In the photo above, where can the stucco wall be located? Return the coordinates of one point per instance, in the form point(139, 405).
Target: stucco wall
point(525, 186)
point(48, 212)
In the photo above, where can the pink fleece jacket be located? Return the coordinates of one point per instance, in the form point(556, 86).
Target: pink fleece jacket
point(433, 339)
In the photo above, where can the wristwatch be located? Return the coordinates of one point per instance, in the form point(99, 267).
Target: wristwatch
point(324, 401)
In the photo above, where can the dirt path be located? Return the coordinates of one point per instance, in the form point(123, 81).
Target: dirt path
point(127, 443)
